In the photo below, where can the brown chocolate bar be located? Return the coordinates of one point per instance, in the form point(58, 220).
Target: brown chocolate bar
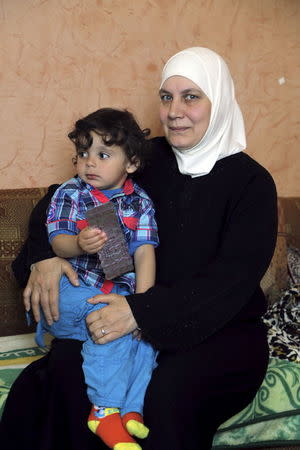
point(114, 255)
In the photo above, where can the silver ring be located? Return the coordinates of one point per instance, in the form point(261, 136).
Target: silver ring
point(103, 331)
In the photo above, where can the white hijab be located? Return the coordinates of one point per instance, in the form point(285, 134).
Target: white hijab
point(225, 134)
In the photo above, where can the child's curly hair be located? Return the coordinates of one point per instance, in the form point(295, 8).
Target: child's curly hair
point(116, 127)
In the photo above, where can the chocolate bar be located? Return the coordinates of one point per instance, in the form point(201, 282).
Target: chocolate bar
point(114, 255)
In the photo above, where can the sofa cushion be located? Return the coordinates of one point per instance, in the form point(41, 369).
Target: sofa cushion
point(293, 260)
point(291, 206)
point(15, 208)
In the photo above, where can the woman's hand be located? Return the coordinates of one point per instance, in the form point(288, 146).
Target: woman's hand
point(111, 321)
point(43, 287)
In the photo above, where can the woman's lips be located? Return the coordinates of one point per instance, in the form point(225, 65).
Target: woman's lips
point(178, 129)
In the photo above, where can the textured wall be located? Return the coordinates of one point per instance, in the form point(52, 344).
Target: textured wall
point(61, 59)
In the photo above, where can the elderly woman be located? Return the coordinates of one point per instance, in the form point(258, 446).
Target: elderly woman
point(217, 219)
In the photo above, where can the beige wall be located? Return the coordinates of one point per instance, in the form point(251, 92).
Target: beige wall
point(61, 59)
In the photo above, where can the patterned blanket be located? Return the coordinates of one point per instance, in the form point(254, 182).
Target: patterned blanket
point(16, 352)
point(273, 418)
point(283, 321)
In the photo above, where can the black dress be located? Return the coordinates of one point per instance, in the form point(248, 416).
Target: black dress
point(217, 236)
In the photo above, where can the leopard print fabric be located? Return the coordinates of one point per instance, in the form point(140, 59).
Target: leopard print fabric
point(283, 319)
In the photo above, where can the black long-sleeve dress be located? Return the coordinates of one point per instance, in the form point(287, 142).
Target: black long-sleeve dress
point(217, 236)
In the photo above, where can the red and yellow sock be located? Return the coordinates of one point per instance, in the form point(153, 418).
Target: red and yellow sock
point(107, 424)
point(134, 424)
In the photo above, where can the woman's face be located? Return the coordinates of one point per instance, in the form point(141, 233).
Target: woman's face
point(184, 112)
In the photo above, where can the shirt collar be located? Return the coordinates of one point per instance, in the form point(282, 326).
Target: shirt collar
point(127, 189)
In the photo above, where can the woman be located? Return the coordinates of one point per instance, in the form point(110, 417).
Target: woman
point(217, 219)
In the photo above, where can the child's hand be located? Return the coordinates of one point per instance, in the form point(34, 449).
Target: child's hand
point(91, 240)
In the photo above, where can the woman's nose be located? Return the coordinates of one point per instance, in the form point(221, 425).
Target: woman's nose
point(175, 109)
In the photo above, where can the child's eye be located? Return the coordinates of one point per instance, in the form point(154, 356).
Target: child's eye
point(103, 155)
point(83, 154)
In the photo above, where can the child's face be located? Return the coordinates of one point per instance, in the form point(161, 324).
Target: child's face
point(102, 166)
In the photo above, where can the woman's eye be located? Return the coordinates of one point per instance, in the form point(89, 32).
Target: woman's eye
point(189, 97)
point(103, 155)
point(82, 154)
point(165, 97)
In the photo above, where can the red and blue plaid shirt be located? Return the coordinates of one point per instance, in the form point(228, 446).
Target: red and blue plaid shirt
point(66, 215)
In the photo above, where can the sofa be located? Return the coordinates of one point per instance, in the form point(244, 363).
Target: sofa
point(272, 420)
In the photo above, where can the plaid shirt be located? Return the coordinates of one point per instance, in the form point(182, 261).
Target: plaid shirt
point(135, 211)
